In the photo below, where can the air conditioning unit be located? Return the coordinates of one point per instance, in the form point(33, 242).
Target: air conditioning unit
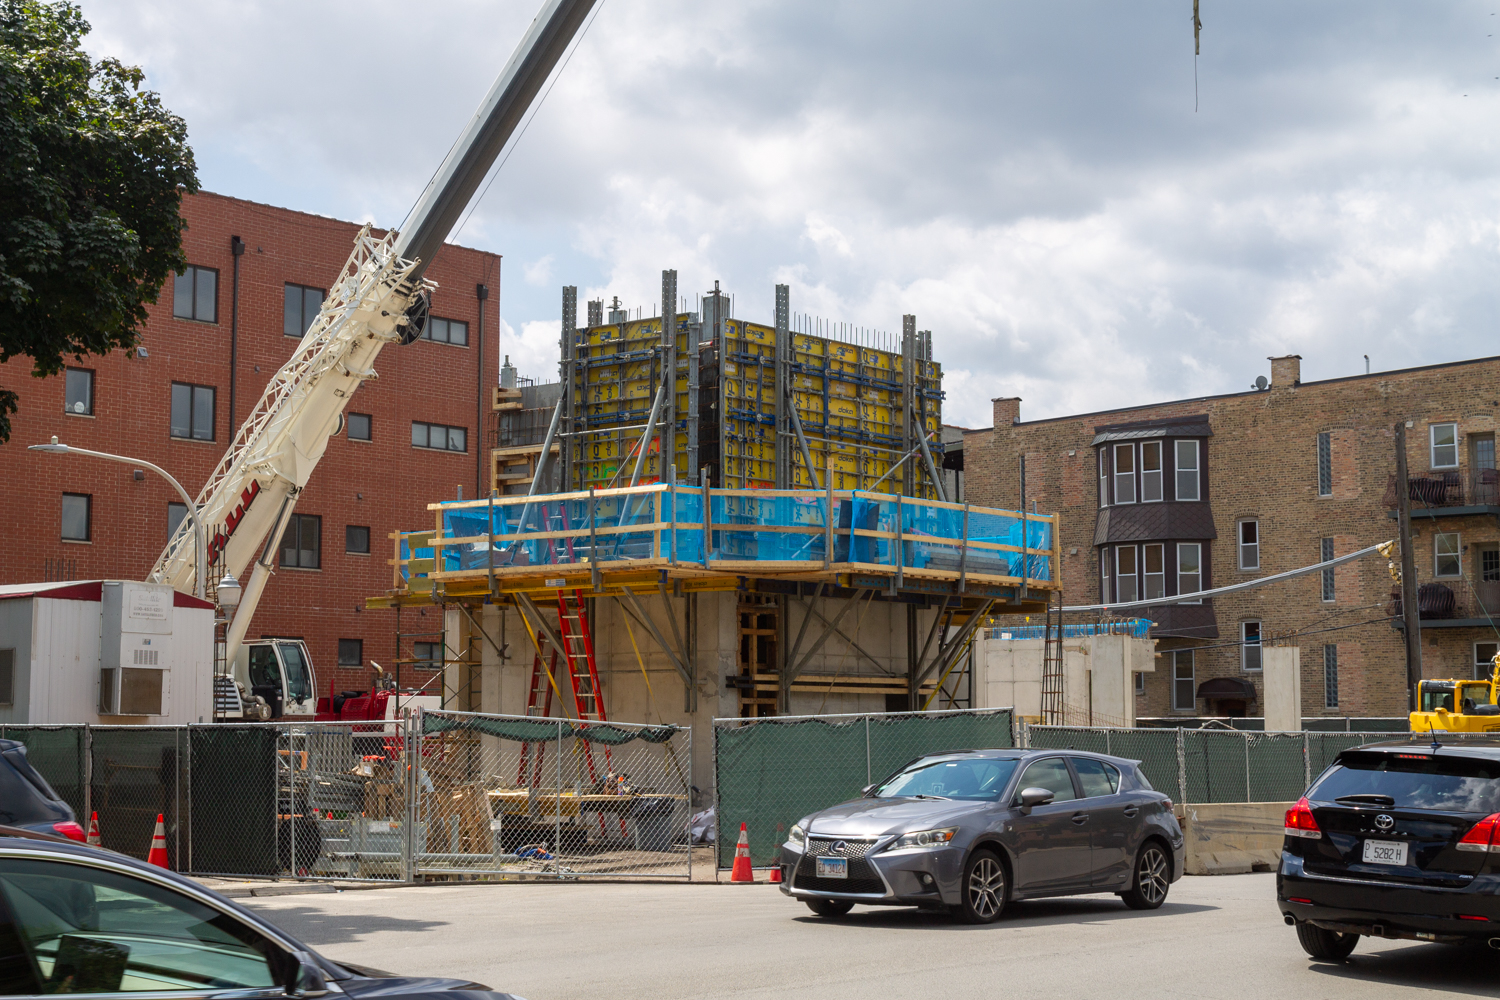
point(132, 691)
point(134, 649)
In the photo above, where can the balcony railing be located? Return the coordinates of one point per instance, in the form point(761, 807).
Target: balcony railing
point(1459, 488)
point(1441, 601)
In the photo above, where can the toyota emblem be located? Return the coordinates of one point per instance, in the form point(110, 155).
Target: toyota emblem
point(1384, 822)
point(839, 847)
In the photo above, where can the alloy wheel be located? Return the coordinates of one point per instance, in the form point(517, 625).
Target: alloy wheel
point(986, 888)
point(1151, 879)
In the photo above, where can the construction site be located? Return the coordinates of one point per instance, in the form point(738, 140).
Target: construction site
point(715, 518)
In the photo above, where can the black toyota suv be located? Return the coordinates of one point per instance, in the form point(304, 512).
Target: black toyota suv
point(1395, 841)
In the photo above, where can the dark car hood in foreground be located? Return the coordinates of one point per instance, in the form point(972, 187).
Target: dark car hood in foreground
point(873, 817)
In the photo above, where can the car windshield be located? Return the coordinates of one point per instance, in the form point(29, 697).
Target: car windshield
point(979, 778)
point(1415, 781)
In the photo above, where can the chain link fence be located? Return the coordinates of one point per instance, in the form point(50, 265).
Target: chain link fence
point(1202, 766)
point(769, 773)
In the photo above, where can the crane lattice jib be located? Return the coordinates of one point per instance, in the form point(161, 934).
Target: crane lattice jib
point(287, 431)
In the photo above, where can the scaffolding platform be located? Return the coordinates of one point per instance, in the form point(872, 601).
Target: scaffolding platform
point(605, 540)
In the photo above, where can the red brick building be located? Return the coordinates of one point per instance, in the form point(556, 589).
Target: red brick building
point(1168, 498)
point(207, 354)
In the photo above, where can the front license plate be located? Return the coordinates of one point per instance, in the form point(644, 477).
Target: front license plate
point(833, 868)
point(1384, 852)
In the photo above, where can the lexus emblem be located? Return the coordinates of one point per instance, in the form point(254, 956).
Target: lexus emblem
point(839, 847)
point(1384, 822)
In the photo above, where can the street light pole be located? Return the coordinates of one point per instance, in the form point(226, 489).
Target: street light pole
point(192, 511)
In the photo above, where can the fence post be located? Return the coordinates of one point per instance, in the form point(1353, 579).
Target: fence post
point(1181, 767)
point(1306, 760)
point(1247, 767)
point(557, 806)
point(291, 784)
point(690, 779)
point(868, 778)
point(1108, 742)
point(88, 770)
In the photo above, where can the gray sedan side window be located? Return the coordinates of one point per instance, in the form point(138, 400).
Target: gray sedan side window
point(1052, 774)
point(1096, 777)
point(89, 930)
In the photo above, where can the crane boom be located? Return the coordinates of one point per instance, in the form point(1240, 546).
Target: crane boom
point(379, 297)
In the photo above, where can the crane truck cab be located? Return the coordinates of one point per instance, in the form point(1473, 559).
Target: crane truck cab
point(269, 679)
point(1458, 706)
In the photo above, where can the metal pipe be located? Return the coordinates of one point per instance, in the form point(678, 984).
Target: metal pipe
point(937, 480)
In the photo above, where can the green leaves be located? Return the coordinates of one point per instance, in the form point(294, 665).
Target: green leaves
point(92, 174)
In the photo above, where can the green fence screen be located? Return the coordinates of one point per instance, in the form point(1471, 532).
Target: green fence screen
point(769, 773)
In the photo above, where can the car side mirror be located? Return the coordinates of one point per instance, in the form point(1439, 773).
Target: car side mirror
point(308, 980)
point(1030, 798)
point(865, 790)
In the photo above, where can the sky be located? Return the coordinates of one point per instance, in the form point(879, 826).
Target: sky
point(1082, 213)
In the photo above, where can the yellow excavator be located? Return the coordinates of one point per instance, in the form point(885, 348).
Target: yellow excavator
point(1459, 706)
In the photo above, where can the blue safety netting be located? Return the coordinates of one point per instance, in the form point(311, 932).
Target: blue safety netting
point(1135, 627)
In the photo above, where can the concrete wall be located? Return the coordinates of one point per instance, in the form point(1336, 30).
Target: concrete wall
point(1282, 677)
point(1098, 677)
point(1233, 838)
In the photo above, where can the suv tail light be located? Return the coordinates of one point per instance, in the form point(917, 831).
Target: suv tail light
point(1300, 821)
point(1483, 835)
point(71, 830)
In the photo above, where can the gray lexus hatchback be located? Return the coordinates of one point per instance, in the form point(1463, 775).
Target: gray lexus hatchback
point(970, 830)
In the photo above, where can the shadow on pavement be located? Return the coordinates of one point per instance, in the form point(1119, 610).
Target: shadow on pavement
point(320, 928)
point(1030, 913)
point(1471, 969)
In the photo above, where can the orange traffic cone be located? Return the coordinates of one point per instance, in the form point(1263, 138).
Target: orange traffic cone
point(742, 871)
point(776, 868)
point(158, 855)
point(93, 838)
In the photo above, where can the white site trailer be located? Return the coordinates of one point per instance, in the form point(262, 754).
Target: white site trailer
point(104, 651)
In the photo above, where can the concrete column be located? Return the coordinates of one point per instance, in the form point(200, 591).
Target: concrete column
point(455, 643)
point(1281, 673)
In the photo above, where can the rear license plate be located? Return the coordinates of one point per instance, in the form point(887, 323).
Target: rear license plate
point(833, 868)
point(1384, 852)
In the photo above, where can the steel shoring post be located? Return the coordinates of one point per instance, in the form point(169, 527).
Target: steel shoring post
point(849, 604)
point(785, 680)
point(638, 611)
point(937, 482)
point(812, 473)
point(666, 601)
point(949, 652)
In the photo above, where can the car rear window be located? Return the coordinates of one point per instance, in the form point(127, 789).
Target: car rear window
point(1415, 781)
point(982, 778)
point(17, 758)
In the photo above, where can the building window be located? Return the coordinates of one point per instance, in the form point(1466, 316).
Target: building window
point(1249, 545)
point(1124, 473)
point(1489, 567)
point(1104, 559)
point(1445, 558)
point(7, 677)
point(427, 655)
point(1103, 478)
point(1140, 683)
point(1484, 450)
point(192, 411)
point(299, 307)
point(1330, 676)
point(1189, 569)
point(1150, 471)
point(176, 514)
point(359, 427)
point(357, 539)
point(1444, 446)
point(1154, 570)
point(351, 652)
point(1326, 551)
point(1187, 470)
point(1183, 693)
point(1325, 464)
point(78, 392)
point(301, 545)
point(1125, 573)
point(195, 294)
point(1484, 659)
point(447, 331)
point(77, 517)
point(438, 436)
point(1250, 645)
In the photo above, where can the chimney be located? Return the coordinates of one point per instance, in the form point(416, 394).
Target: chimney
point(1286, 371)
point(1007, 410)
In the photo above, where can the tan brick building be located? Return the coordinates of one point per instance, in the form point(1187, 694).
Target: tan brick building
point(1168, 498)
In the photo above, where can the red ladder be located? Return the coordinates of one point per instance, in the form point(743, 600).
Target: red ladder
point(538, 705)
point(588, 695)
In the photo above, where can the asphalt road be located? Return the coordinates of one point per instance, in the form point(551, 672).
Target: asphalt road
point(1215, 937)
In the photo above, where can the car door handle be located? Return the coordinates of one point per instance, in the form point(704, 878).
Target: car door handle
point(1080, 818)
point(1130, 811)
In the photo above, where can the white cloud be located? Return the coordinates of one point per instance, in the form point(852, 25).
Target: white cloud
point(539, 272)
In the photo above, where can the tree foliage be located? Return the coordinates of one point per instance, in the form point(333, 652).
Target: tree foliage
point(92, 174)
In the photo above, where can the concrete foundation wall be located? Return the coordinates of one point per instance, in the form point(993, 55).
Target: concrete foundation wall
point(1098, 677)
point(1233, 838)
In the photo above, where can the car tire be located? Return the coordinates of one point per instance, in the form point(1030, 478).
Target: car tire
point(1329, 946)
point(984, 889)
point(1152, 878)
point(829, 907)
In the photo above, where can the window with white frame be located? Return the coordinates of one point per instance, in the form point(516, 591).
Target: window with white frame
point(1150, 471)
point(1154, 570)
point(1187, 470)
point(1124, 473)
point(1445, 554)
point(1325, 550)
point(1103, 477)
point(1250, 645)
point(1105, 556)
point(1125, 573)
point(1484, 659)
point(1249, 545)
point(1189, 569)
point(1330, 676)
point(1184, 697)
point(1444, 446)
point(1140, 683)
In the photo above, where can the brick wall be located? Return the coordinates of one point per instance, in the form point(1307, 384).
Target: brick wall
point(1261, 463)
point(384, 484)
